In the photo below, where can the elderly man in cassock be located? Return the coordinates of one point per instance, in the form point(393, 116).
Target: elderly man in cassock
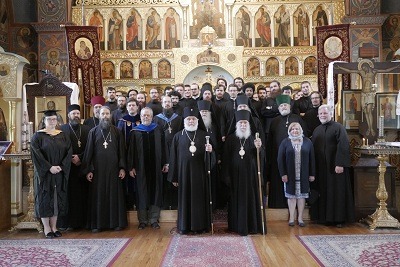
point(77, 184)
point(335, 204)
point(209, 117)
point(97, 102)
point(169, 123)
point(188, 171)
point(146, 160)
point(104, 166)
point(241, 175)
point(279, 131)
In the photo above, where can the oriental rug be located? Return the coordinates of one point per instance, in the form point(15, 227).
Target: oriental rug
point(61, 252)
point(354, 250)
point(227, 251)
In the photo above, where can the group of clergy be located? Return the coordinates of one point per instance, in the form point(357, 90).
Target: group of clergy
point(205, 150)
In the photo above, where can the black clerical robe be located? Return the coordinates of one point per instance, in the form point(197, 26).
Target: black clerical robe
point(91, 122)
point(106, 194)
point(48, 151)
point(278, 131)
point(190, 172)
point(147, 156)
point(335, 203)
point(241, 175)
point(311, 119)
point(77, 183)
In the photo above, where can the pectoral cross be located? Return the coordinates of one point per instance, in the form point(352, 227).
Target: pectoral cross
point(105, 144)
point(169, 130)
point(79, 143)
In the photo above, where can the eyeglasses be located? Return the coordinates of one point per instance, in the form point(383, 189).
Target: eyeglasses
point(51, 119)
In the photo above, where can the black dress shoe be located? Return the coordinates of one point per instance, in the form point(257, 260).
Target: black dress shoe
point(96, 230)
point(141, 226)
point(49, 235)
point(57, 234)
point(155, 225)
point(118, 228)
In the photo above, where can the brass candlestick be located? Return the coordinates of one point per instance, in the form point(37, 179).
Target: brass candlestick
point(381, 216)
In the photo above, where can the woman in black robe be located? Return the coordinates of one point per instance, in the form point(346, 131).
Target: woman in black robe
point(51, 155)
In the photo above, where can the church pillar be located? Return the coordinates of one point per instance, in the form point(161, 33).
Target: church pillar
point(124, 30)
point(291, 31)
point(310, 30)
point(252, 29)
point(106, 34)
point(162, 33)
point(273, 31)
point(229, 25)
point(144, 34)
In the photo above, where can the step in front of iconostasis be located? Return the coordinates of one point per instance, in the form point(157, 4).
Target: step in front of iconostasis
point(171, 215)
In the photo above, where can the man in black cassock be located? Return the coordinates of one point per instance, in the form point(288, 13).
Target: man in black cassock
point(188, 170)
point(169, 123)
point(97, 102)
point(104, 166)
point(77, 184)
point(311, 115)
point(146, 159)
point(332, 154)
point(241, 175)
point(218, 188)
point(277, 132)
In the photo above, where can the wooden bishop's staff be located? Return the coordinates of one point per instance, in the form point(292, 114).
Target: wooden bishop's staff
point(208, 159)
point(264, 229)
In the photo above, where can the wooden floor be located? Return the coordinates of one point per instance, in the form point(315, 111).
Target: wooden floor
point(279, 247)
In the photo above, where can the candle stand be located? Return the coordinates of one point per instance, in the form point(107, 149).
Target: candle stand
point(381, 217)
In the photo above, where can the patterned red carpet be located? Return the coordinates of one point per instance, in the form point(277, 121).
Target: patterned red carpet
point(227, 251)
point(354, 250)
point(61, 252)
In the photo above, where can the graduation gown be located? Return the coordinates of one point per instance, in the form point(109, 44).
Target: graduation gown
point(146, 155)
point(77, 183)
point(106, 194)
point(48, 151)
point(191, 174)
point(278, 132)
point(335, 203)
point(241, 175)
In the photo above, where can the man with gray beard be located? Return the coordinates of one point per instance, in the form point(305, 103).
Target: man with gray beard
point(104, 166)
point(241, 175)
point(188, 171)
point(278, 131)
point(210, 122)
point(77, 184)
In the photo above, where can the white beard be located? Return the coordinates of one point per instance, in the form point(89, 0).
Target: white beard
point(284, 112)
point(242, 135)
point(191, 128)
point(207, 120)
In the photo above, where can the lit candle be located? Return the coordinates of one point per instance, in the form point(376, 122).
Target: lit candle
point(367, 141)
point(363, 142)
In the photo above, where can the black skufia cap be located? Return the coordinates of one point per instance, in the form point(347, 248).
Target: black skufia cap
point(189, 111)
point(73, 107)
point(242, 100)
point(204, 105)
point(242, 115)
